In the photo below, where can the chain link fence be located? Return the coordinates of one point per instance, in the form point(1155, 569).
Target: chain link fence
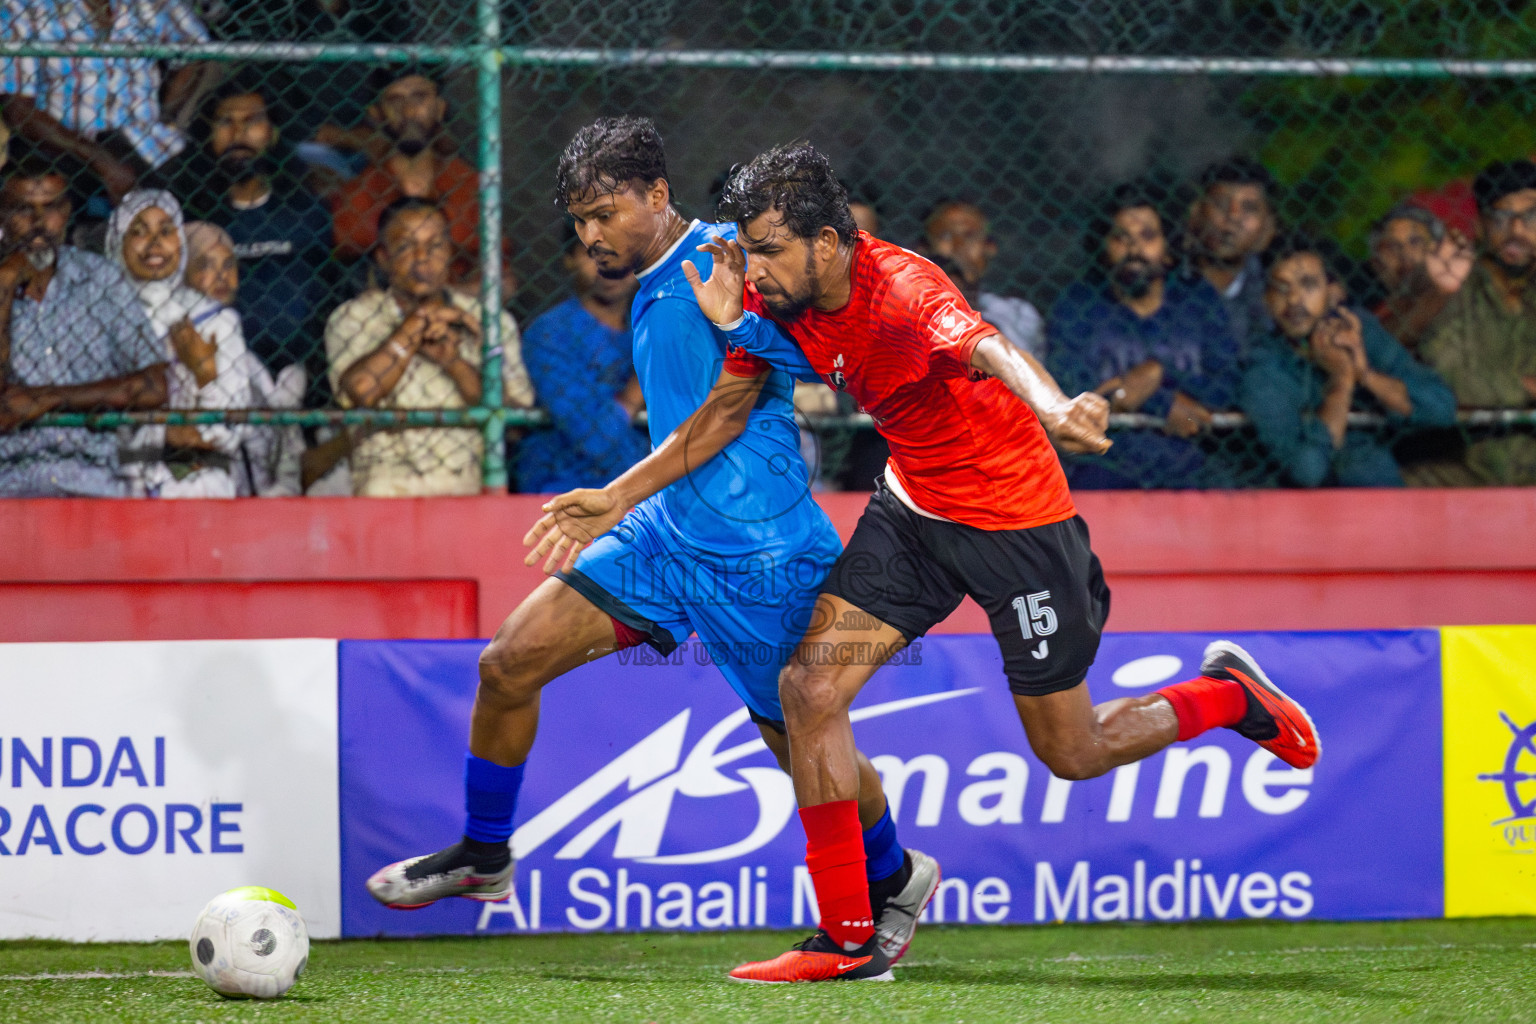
point(1108, 181)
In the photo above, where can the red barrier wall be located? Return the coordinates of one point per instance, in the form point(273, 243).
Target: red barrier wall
point(452, 567)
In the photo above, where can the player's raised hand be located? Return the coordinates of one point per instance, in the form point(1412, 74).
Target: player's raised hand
point(570, 522)
point(1079, 424)
point(719, 298)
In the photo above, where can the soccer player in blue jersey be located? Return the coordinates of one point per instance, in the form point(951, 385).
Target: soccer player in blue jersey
point(735, 551)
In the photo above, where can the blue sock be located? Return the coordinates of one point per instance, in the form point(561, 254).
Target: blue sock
point(490, 799)
point(883, 855)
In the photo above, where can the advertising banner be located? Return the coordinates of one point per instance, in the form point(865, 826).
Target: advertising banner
point(650, 801)
point(139, 780)
point(1490, 771)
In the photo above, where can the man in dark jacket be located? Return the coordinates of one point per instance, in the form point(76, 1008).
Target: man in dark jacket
point(1150, 342)
point(245, 179)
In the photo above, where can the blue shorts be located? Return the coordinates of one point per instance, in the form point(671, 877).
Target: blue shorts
point(749, 610)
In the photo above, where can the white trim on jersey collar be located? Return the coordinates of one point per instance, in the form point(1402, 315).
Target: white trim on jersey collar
point(894, 483)
point(668, 254)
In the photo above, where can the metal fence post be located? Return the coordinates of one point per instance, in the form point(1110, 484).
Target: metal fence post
point(488, 90)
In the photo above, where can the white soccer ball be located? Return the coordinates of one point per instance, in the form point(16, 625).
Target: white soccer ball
point(250, 942)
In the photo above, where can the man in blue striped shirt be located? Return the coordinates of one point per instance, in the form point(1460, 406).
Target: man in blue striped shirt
point(73, 338)
point(104, 112)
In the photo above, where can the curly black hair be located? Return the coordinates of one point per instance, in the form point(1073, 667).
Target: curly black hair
point(1298, 243)
point(1131, 195)
point(1237, 170)
point(797, 181)
point(1407, 211)
point(607, 155)
point(384, 76)
point(248, 81)
point(28, 163)
point(1502, 179)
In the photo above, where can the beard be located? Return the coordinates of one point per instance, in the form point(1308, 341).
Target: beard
point(42, 258)
point(1219, 246)
point(788, 305)
point(239, 164)
point(1515, 270)
point(39, 249)
point(611, 271)
point(412, 137)
point(1134, 277)
point(1297, 322)
point(1414, 281)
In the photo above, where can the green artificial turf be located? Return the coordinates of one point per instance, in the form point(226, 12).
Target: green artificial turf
point(1250, 972)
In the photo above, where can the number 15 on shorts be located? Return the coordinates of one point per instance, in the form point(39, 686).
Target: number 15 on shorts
point(1036, 619)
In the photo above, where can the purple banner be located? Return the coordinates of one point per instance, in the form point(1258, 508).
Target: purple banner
point(650, 801)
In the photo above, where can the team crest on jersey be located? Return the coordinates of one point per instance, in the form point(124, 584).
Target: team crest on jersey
point(951, 322)
point(836, 376)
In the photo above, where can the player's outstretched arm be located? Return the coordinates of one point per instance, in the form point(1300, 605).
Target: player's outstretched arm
point(719, 298)
point(1076, 424)
point(575, 519)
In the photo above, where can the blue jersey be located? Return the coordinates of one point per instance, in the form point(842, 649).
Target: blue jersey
point(736, 551)
point(755, 495)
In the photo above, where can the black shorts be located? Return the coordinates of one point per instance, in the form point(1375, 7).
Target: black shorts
point(1042, 588)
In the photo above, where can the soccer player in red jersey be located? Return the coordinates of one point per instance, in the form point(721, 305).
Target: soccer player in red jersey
point(973, 502)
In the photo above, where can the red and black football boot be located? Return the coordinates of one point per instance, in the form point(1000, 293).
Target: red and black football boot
point(1274, 721)
point(819, 958)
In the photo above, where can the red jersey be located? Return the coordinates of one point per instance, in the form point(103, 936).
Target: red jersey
point(358, 203)
point(963, 449)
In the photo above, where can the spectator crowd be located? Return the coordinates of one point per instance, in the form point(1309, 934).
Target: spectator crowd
point(171, 240)
point(189, 261)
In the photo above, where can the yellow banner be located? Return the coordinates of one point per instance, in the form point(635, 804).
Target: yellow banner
point(1490, 770)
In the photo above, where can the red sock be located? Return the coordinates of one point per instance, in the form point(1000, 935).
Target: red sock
point(1205, 703)
point(834, 853)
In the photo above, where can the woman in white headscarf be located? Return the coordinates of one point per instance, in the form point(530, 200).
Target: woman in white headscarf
point(272, 455)
point(204, 343)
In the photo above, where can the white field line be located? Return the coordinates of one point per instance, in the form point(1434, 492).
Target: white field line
point(127, 975)
point(1070, 958)
point(94, 975)
point(1076, 958)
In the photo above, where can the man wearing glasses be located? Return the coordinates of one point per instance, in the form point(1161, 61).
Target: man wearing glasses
point(1484, 342)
